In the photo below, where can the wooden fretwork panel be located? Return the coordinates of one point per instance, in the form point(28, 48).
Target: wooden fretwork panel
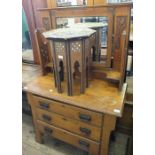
point(121, 38)
point(45, 20)
point(46, 23)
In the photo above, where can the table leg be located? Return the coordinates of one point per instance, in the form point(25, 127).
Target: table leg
point(109, 122)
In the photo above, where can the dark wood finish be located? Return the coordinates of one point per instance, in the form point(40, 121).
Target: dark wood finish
point(121, 39)
point(45, 57)
point(71, 57)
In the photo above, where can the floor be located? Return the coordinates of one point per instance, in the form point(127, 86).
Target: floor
point(56, 147)
point(27, 55)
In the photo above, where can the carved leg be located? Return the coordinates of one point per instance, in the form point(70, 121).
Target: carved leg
point(108, 126)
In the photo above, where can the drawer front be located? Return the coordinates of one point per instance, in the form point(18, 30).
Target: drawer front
point(73, 139)
point(69, 111)
point(75, 126)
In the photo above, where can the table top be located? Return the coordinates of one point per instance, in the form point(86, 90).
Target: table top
point(101, 96)
point(68, 33)
point(88, 25)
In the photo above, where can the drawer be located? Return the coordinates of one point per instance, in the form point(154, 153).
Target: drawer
point(69, 111)
point(73, 139)
point(75, 126)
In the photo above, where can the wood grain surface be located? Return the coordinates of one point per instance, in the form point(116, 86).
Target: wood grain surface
point(101, 96)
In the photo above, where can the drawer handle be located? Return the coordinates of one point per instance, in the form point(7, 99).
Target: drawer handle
point(46, 117)
point(48, 130)
point(44, 105)
point(85, 130)
point(83, 143)
point(85, 117)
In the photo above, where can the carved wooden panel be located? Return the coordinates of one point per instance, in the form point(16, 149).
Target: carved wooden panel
point(45, 57)
point(121, 23)
point(46, 23)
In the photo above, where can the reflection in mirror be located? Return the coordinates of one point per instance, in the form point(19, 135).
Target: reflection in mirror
point(27, 52)
point(71, 2)
point(100, 24)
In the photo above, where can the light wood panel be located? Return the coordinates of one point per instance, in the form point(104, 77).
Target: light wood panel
point(100, 2)
point(74, 126)
point(51, 3)
point(78, 141)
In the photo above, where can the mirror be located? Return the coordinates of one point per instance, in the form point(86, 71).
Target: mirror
point(27, 52)
point(100, 24)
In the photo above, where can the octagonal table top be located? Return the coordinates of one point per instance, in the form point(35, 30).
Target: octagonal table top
point(92, 25)
point(68, 33)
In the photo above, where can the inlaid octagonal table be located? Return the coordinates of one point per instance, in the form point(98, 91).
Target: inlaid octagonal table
point(71, 56)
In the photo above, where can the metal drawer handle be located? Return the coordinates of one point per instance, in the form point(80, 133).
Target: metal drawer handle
point(85, 117)
point(46, 117)
point(44, 105)
point(83, 143)
point(85, 130)
point(48, 130)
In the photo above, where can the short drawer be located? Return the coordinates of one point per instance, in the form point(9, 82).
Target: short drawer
point(73, 139)
point(69, 111)
point(75, 126)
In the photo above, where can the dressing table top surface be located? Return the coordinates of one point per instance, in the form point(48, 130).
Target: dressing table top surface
point(101, 96)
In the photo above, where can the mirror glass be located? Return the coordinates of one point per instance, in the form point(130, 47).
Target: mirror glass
point(100, 24)
point(27, 52)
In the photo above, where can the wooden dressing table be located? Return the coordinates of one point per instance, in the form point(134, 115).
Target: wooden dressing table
point(84, 121)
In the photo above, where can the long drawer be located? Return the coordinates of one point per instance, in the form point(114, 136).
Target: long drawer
point(84, 115)
point(75, 126)
point(73, 139)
